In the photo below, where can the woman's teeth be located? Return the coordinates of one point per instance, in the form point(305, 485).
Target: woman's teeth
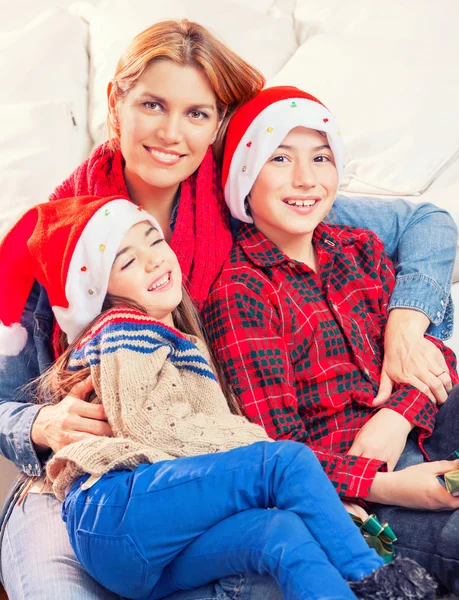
point(160, 282)
point(301, 203)
point(164, 155)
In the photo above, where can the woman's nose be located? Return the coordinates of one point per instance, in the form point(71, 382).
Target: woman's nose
point(169, 130)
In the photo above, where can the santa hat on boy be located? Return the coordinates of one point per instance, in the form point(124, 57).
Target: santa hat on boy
point(69, 247)
point(258, 128)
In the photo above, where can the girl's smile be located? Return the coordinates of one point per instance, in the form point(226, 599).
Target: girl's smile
point(146, 271)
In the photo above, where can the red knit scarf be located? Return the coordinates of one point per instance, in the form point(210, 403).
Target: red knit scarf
point(202, 235)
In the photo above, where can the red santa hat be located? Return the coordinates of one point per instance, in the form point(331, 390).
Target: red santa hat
point(69, 247)
point(257, 129)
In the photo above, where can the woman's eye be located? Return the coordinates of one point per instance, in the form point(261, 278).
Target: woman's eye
point(129, 262)
point(152, 105)
point(156, 242)
point(279, 159)
point(198, 115)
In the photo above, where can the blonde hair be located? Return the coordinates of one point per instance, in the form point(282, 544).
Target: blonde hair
point(233, 80)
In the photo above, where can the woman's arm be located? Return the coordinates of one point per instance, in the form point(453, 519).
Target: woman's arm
point(421, 240)
point(420, 300)
point(17, 409)
point(28, 431)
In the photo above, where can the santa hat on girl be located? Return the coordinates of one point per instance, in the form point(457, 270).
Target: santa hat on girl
point(69, 247)
point(257, 129)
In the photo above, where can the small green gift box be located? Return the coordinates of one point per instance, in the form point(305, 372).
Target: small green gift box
point(452, 482)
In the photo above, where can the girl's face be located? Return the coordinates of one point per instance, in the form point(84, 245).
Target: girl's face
point(296, 187)
point(147, 271)
point(166, 121)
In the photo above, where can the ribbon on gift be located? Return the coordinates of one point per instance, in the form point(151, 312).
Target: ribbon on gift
point(378, 536)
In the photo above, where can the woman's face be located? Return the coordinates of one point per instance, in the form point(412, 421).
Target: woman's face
point(166, 121)
point(296, 187)
point(147, 271)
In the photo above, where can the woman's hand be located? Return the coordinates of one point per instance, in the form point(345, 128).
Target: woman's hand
point(382, 437)
point(410, 358)
point(70, 420)
point(415, 487)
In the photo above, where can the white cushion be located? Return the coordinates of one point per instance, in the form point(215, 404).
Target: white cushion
point(39, 148)
point(266, 40)
point(48, 59)
point(419, 21)
point(396, 103)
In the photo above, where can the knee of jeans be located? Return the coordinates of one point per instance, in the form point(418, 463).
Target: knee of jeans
point(283, 526)
point(292, 451)
point(448, 540)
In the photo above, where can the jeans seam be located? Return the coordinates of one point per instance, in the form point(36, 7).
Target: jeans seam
point(18, 577)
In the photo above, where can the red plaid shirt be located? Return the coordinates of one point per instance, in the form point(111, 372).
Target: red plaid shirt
point(303, 353)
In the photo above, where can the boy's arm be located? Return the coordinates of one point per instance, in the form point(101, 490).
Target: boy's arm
point(246, 335)
point(421, 240)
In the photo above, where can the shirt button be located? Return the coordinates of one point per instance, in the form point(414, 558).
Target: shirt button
point(442, 303)
point(291, 265)
point(438, 315)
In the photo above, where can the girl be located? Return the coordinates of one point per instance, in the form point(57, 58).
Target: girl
point(302, 343)
point(143, 524)
point(171, 97)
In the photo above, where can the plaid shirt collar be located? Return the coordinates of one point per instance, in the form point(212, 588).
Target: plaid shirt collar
point(263, 253)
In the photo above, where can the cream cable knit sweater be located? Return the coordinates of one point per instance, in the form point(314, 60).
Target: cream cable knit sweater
point(160, 396)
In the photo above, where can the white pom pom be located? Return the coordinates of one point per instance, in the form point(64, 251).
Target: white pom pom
point(12, 339)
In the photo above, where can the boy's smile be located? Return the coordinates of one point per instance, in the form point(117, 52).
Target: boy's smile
point(296, 187)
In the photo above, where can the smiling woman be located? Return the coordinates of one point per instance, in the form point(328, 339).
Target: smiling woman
point(168, 119)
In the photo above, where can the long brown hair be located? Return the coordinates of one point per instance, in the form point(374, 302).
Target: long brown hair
point(58, 380)
point(188, 44)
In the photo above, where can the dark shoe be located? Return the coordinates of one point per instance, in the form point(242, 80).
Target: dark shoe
point(402, 579)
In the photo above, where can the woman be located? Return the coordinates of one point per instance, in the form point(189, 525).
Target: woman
point(160, 136)
point(302, 343)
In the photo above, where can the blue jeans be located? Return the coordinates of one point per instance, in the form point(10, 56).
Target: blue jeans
point(179, 524)
point(38, 563)
point(431, 538)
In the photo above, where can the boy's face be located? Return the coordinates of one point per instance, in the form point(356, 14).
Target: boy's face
point(296, 187)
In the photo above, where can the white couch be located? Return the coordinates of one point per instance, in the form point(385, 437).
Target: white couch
point(387, 70)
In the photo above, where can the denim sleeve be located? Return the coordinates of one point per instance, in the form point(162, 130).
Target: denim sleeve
point(421, 240)
point(17, 408)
